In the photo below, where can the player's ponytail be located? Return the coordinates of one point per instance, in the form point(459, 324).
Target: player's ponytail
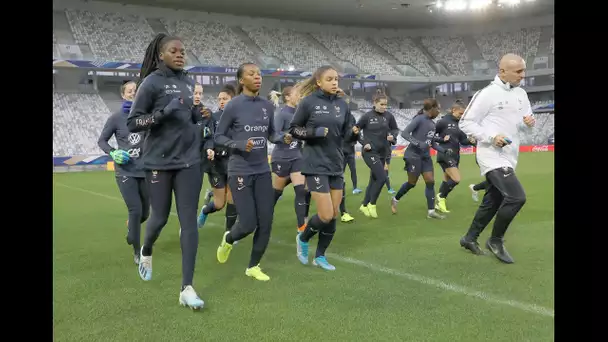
point(274, 97)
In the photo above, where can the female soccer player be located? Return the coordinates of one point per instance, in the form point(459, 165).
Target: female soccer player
point(171, 153)
point(286, 159)
point(420, 133)
point(322, 120)
point(245, 127)
point(450, 137)
point(379, 129)
point(130, 176)
point(218, 171)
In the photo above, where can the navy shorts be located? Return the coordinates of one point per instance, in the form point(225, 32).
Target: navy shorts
point(218, 175)
point(418, 164)
point(283, 168)
point(324, 183)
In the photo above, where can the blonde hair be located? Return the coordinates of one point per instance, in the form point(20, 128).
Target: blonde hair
point(274, 97)
point(309, 85)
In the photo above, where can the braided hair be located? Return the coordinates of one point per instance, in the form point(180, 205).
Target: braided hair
point(152, 55)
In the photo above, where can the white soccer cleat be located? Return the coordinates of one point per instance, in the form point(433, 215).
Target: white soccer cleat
point(474, 193)
point(189, 298)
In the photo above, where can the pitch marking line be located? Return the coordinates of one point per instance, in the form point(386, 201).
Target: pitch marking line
point(532, 308)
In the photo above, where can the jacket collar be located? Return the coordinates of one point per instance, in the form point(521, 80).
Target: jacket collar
point(502, 84)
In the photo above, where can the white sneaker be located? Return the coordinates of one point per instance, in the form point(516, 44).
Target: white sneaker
point(189, 298)
point(474, 193)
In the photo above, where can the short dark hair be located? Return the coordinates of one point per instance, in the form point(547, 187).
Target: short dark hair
point(239, 74)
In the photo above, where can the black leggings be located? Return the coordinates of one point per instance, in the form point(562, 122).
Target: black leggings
point(135, 193)
point(186, 185)
point(253, 198)
point(377, 177)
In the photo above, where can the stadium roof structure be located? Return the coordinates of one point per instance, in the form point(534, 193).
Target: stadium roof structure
point(403, 14)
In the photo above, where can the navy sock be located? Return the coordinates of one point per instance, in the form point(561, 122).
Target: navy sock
point(429, 193)
point(307, 197)
point(388, 181)
point(325, 238)
point(449, 186)
point(209, 208)
point(405, 187)
point(230, 215)
point(313, 226)
point(300, 204)
point(483, 185)
point(277, 194)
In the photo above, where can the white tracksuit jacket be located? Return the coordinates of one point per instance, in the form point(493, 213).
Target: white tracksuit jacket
point(496, 109)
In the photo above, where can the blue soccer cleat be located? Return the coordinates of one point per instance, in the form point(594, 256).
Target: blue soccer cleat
point(357, 191)
point(322, 262)
point(302, 250)
point(202, 217)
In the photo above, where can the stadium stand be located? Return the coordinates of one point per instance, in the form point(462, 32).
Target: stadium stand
point(289, 46)
point(78, 118)
point(523, 42)
point(357, 51)
point(77, 122)
point(406, 52)
point(111, 36)
point(212, 43)
point(451, 51)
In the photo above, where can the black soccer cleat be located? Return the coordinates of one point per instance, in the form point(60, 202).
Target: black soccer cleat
point(473, 246)
point(499, 250)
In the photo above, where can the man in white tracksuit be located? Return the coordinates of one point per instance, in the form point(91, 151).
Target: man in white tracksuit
point(495, 117)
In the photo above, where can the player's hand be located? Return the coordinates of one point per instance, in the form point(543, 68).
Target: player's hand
point(340, 92)
point(449, 152)
point(367, 147)
point(175, 104)
point(205, 112)
point(249, 145)
point(500, 140)
point(472, 140)
point(385, 166)
point(390, 138)
point(287, 138)
point(321, 131)
point(446, 138)
point(356, 129)
point(120, 156)
point(210, 154)
point(529, 120)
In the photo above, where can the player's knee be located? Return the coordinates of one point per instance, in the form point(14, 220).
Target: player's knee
point(455, 179)
point(517, 199)
point(144, 215)
point(326, 215)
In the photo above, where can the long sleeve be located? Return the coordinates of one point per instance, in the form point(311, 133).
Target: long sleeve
point(476, 111)
point(279, 122)
point(362, 124)
point(209, 143)
point(407, 132)
point(106, 134)
point(226, 121)
point(275, 135)
point(393, 129)
point(297, 127)
point(140, 118)
point(521, 126)
point(347, 127)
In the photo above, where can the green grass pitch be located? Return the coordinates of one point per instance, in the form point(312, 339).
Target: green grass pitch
point(399, 277)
